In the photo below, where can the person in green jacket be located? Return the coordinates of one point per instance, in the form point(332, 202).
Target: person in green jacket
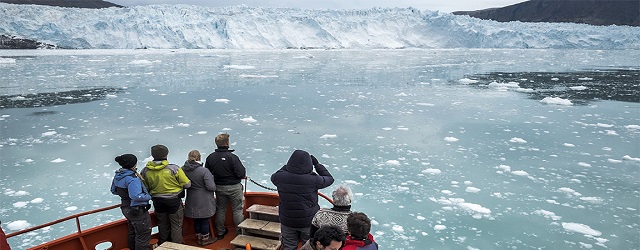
point(166, 183)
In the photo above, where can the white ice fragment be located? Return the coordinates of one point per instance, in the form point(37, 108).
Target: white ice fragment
point(4, 60)
point(202, 100)
point(431, 171)
point(472, 189)
point(202, 132)
point(629, 158)
point(569, 145)
point(328, 136)
point(580, 228)
point(517, 140)
point(49, 133)
point(604, 125)
point(248, 119)
point(585, 78)
point(451, 139)
point(556, 100)
point(596, 200)
point(231, 66)
point(18, 225)
point(420, 217)
point(632, 127)
point(578, 87)
point(397, 228)
point(439, 227)
point(21, 193)
point(257, 76)
point(58, 160)
point(402, 94)
point(71, 208)
point(20, 204)
point(504, 168)
point(37, 200)
point(393, 162)
point(387, 128)
point(467, 81)
point(183, 125)
point(222, 100)
point(584, 164)
point(139, 62)
point(569, 191)
point(613, 160)
point(520, 173)
point(547, 214)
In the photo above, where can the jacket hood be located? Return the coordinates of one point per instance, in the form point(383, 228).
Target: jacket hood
point(123, 172)
point(191, 165)
point(157, 165)
point(299, 163)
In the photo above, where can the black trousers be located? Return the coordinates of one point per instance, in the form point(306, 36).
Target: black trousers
point(139, 223)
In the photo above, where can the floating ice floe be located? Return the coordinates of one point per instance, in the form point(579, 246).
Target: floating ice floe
point(4, 60)
point(439, 227)
point(18, 225)
point(387, 128)
point(467, 81)
point(397, 229)
point(451, 139)
point(139, 62)
point(585, 78)
point(71, 208)
point(257, 76)
point(476, 210)
point(183, 125)
point(596, 200)
point(232, 66)
point(37, 200)
point(222, 100)
point(202, 132)
point(431, 171)
point(613, 160)
point(520, 173)
point(393, 162)
point(425, 104)
point(569, 145)
point(21, 193)
point(517, 140)
point(248, 119)
point(49, 133)
point(578, 87)
point(584, 164)
point(401, 94)
point(569, 191)
point(20, 204)
point(629, 158)
point(58, 160)
point(580, 228)
point(472, 189)
point(632, 127)
point(547, 214)
point(556, 100)
point(604, 125)
point(328, 136)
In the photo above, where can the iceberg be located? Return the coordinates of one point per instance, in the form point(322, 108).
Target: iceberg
point(242, 27)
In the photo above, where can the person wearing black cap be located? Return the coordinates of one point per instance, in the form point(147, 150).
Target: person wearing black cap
point(134, 201)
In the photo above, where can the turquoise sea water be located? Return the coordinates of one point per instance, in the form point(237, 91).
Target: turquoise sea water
point(445, 149)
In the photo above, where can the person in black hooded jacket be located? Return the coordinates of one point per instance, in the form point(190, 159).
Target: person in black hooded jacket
point(298, 190)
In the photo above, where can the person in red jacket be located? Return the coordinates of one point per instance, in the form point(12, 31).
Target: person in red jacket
point(359, 237)
point(4, 245)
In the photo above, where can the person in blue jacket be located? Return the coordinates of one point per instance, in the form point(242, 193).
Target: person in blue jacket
point(298, 190)
point(134, 201)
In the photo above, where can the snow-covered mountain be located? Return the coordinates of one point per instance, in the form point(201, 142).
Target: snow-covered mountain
point(185, 26)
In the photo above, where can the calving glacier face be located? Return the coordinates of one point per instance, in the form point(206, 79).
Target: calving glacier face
point(194, 27)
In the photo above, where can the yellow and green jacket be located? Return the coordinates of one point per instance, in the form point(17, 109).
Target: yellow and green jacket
point(163, 179)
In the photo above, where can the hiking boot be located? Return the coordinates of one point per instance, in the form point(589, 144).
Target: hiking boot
point(207, 239)
point(199, 239)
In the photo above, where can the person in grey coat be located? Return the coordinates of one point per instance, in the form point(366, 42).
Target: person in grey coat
point(200, 203)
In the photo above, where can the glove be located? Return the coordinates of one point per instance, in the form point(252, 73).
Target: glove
point(314, 161)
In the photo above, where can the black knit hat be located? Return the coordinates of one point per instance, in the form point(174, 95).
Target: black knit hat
point(159, 152)
point(127, 160)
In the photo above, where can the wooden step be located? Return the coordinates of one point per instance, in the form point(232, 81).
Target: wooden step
point(260, 227)
point(175, 246)
point(256, 242)
point(263, 212)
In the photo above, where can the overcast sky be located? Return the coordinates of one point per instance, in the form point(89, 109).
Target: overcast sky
point(441, 5)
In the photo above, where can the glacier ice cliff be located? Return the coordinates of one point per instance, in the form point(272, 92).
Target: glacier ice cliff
point(241, 27)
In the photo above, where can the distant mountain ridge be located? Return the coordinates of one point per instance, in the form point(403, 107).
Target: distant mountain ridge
point(89, 4)
point(594, 12)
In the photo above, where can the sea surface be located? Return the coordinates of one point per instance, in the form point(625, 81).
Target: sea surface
point(444, 149)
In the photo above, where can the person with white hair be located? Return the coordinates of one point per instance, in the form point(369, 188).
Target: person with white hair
point(337, 215)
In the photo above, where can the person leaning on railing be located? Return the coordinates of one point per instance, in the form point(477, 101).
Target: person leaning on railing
point(134, 201)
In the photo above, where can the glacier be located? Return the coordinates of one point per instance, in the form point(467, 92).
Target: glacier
point(242, 27)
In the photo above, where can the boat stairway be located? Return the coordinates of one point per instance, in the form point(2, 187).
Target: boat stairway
point(261, 229)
